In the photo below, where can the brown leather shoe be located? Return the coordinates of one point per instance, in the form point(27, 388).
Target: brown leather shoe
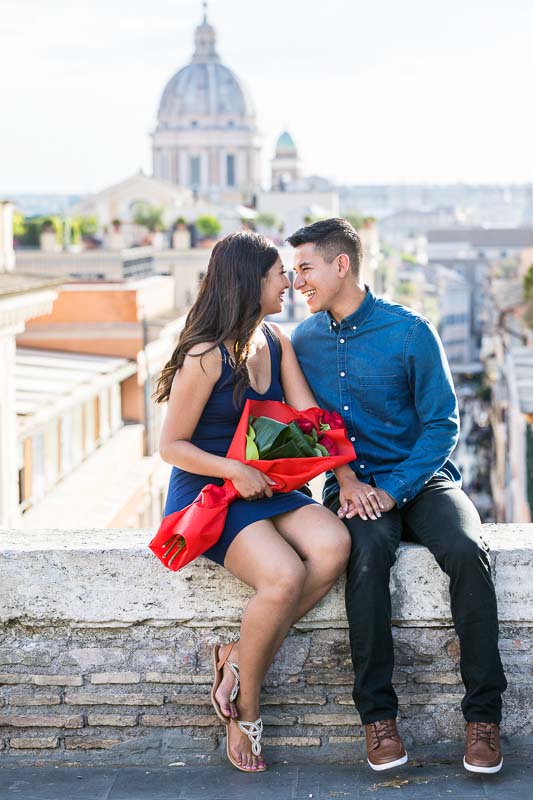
point(384, 746)
point(483, 752)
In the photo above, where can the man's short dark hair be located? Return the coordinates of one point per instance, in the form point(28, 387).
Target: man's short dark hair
point(331, 237)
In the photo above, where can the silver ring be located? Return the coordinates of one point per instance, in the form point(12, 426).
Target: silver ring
point(370, 494)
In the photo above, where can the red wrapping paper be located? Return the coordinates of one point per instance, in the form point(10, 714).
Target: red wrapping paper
point(201, 524)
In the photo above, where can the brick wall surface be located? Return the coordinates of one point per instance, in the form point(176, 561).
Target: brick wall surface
point(80, 692)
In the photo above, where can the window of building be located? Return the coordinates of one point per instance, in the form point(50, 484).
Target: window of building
point(21, 473)
point(230, 170)
point(51, 454)
point(103, 412)
point(194, 168)
point(77, 435)
point(89, 428)
point(37, 466)
point(194, 123)
point(66, 443)
point(115, 407)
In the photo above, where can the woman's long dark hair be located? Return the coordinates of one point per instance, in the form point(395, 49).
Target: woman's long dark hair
point(228, 306)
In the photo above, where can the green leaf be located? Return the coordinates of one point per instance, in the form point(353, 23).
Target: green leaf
point(266, 432)
point(252, 453)
point(251, 432)
point(290, 443)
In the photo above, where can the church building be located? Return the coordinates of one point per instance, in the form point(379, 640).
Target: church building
point(206, 137)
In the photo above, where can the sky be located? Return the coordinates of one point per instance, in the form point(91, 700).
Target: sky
point(387, 91)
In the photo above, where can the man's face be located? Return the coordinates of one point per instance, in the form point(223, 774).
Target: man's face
point(316, 279)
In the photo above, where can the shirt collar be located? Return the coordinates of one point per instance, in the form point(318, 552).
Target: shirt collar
point(356, 319)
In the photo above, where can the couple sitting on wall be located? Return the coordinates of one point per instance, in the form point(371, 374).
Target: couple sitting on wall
point(383, 368)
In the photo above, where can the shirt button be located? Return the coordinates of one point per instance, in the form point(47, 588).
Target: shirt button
point(362, 466)
point(343, 374)
point(405, 499)
point(352, 438)
point(354, 328)
point(346, 408)
point(341, 341)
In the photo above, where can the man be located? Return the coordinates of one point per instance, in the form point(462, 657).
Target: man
point(383, 367)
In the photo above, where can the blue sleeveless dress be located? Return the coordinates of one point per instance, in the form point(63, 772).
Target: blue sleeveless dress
point(213, 434)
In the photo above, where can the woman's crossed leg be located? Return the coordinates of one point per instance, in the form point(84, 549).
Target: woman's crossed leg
point(291, 561)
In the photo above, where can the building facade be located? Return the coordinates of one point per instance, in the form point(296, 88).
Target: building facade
point(206, 137)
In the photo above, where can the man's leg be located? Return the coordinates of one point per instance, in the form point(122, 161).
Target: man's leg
point(368, 607)
point(444, 519)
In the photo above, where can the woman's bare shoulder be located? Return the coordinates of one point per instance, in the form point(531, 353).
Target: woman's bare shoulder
point(203, 359)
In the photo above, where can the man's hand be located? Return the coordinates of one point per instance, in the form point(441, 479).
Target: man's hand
point(386, 501)
point(360, 499)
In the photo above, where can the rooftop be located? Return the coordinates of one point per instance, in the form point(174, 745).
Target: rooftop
point(49, 381)
point(483, 237)
point(16, 283)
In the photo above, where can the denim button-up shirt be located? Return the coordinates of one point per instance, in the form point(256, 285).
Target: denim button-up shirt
point(384, 369)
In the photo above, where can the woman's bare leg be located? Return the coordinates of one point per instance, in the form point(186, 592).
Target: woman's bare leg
point(261, 558)
point(323, 544)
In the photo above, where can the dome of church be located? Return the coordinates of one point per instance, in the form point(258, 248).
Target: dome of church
point(205, 88)
point(285, 143)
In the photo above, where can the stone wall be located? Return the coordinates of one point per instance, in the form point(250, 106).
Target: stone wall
point(105, 656)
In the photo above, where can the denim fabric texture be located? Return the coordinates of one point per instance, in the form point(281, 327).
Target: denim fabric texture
point(384, 369)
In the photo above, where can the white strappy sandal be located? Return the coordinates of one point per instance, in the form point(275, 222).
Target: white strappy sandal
point(218, 664)
point(253, 731)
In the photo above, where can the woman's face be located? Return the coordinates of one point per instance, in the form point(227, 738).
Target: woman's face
point(274, 285)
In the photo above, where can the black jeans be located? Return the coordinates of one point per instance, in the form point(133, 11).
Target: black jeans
point(442, 518)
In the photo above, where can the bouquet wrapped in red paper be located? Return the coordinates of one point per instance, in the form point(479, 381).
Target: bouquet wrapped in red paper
point(289, 446)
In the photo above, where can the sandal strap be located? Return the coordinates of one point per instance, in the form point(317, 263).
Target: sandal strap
point(224, 658)
point(237, 684)
point(253, 731)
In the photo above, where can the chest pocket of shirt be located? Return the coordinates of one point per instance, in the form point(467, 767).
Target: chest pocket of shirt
point(383, 396)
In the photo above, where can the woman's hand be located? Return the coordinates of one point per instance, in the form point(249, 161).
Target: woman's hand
point(249, 482)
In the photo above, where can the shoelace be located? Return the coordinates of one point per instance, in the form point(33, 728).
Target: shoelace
point(484, 732)
point(385, 730)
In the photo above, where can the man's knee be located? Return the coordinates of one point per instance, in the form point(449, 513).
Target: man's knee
point(462, 551)
point(374, 544)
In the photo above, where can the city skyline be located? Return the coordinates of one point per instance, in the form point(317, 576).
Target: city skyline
point(375, 95)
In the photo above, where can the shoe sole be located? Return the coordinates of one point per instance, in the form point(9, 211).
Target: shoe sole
point(488, 770)
point(237, 766)
point(216, 683)
point(389, 764)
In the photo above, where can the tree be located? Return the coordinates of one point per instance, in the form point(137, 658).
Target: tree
point(355, 219)
point(88, 226)
point(208, 226)
point(19, 226)
point(528, 284)
point(267, 220)
point(150, 216)
point(528, 294)
point(358, 220)
point(75, 231)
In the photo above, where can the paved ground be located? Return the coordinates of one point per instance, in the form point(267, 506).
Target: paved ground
point(429, 780)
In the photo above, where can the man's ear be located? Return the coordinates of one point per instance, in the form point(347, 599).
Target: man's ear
point(343, 264)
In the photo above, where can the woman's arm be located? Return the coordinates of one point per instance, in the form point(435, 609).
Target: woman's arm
point(190, 391)
point(295, 387)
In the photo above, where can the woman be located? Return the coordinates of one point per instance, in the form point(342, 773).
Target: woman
point(288, 548)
